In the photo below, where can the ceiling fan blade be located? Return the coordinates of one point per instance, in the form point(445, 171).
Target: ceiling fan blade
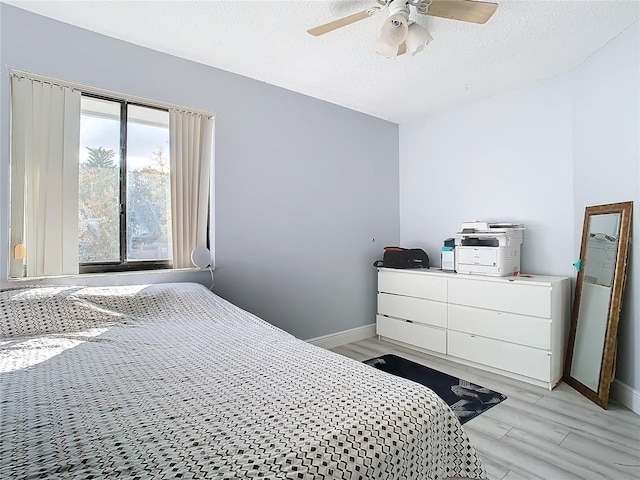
point(464, 10)
point(342, 22)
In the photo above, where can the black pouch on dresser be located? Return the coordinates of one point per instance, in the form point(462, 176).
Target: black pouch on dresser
point(398, 257)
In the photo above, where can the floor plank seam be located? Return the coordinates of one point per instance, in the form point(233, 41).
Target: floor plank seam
point(564, 438)
point(505, 434)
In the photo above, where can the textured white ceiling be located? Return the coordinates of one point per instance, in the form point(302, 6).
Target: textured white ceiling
point(525, 41)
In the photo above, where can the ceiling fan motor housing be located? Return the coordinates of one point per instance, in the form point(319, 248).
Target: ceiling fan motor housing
point(399, 7)
point(402, 6)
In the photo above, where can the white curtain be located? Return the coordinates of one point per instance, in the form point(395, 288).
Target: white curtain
point(45, 132)
point(191, 149)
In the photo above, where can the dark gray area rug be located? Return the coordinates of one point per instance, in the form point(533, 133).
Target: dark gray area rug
point(466, 399)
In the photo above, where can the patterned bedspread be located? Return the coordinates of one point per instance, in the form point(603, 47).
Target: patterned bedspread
point(171, 381)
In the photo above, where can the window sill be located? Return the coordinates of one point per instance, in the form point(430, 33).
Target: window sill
point(113, 276)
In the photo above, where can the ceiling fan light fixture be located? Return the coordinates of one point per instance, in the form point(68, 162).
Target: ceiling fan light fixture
point(385, 48)
point(394, 30)
point(417, 38)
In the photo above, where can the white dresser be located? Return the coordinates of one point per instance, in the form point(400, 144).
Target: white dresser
point(513, 326)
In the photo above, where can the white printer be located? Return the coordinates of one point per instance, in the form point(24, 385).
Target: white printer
point(485, 248)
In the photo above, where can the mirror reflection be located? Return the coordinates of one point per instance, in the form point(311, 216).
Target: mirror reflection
point(598, 264)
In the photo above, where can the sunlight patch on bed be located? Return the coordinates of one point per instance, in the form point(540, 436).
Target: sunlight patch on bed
point(18, 354)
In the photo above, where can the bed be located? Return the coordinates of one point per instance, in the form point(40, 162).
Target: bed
point(172, 381)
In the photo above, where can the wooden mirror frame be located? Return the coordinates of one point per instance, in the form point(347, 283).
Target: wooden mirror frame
point(607, 365)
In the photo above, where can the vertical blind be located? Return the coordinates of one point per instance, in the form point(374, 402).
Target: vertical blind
point(45, 131)
point(190, 144)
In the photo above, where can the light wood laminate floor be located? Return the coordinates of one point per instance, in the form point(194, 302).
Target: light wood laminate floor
point(536, 433)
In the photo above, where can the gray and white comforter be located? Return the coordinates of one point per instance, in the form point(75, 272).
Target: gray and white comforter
point(171, 381)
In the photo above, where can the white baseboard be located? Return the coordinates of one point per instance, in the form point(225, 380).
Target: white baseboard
point(338, 339)
point(625, 395)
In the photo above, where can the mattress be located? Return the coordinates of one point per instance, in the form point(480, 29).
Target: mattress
point(172, 381)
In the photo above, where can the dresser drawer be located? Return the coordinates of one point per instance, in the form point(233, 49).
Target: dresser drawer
point(511, 327)
point(510, 357)
point(417, 334)
point(415, 309)
point(505, 296)
point(413, 284)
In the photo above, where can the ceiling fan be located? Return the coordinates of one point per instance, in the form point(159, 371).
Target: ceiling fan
point(400, 34)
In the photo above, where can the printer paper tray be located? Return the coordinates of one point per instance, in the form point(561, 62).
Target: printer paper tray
point(487, 256)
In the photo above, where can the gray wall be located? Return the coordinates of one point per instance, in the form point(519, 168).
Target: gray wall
point(306, 192)
point(538, 156)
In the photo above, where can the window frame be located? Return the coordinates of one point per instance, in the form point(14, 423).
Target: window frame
point(123, 265)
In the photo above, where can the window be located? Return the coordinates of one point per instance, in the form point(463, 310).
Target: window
point(124, 189)
point(102, 182)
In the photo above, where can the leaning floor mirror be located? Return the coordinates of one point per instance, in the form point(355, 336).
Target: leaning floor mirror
point(602, 270)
